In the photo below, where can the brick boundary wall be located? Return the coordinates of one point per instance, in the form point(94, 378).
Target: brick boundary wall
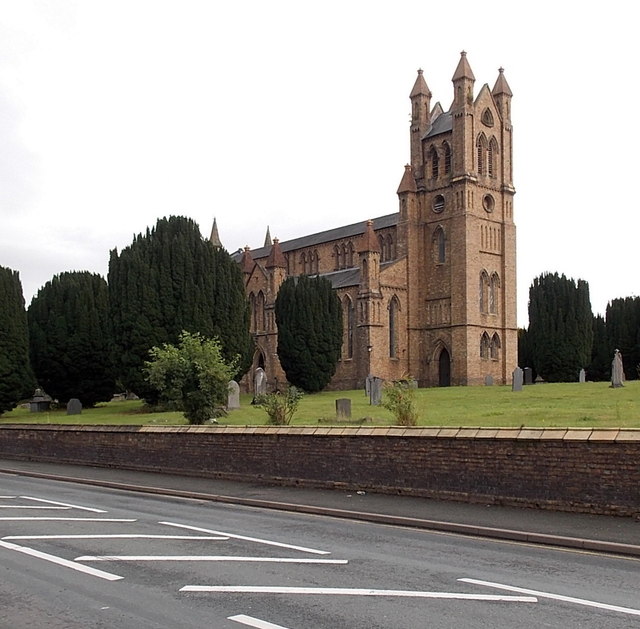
point(580, 470)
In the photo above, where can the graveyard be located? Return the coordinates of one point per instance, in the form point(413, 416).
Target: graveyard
point(580, 404)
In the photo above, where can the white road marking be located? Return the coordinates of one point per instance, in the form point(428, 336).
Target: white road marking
point(208, 558)
point(556, 597)
point(7, 497)
point(64, 504)
point(249, 539)
point(32, 507)
point(117, 536)
point(61, 562)
point(254, 622)
point(50, 519)
point(251, 589)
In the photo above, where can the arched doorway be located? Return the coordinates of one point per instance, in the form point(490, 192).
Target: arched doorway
point(444, 368)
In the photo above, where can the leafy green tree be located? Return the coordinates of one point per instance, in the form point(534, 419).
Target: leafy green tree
point(623, 333)
point(309, 320)
point(193, 376)
point(560, 327)
point(16, 377)
point(168, 280)
point(280, 407)
point(70, 341)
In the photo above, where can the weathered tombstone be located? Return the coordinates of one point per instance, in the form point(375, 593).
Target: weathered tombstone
point(488, 381)
point(343, 408)
point(74, 406)
point(40, 402)
point(617, 370)
point(539, 380)
point(375, 391)
point(517, 379)
point(367, 386)
point(233, 397)
point(528, 375)
point(583, 376)
point(260, 382)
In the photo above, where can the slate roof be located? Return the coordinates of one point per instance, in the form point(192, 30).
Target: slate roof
point(441, 124)
point(348, 231)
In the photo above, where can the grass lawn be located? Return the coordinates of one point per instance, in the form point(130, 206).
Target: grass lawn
point(592, 404)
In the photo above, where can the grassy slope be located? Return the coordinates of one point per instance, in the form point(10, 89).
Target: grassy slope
point(592, 404)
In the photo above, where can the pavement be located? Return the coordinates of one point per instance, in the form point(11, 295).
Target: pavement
point(600, 533)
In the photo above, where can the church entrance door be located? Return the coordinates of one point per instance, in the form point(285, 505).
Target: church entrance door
point(444, 369)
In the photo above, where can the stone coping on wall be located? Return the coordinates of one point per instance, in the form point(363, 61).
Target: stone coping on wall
point(535, 434)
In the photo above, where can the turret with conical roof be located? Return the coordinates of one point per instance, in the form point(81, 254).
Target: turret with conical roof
point(214, 238)
point(267, 238)
point(463, 81)
point(276, 265)
point(420, 119)
point(502, 94)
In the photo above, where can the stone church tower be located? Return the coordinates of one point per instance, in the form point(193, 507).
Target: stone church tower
point(428, 291)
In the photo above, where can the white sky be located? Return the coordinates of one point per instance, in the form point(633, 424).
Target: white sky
point(296, 115)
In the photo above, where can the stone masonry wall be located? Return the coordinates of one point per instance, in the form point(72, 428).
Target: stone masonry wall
point(582, 470)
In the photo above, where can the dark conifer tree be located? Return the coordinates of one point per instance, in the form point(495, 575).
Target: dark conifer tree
point(623, 333)
point(560, 327)
point(601, 352)
point(171, 280)
point(16, 377)
point(70, 338)
point(309, 320)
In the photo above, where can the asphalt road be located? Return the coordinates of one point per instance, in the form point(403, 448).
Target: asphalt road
point(75, 556)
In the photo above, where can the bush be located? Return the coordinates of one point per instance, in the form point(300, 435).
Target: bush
point(399, 398)
point(280, 407)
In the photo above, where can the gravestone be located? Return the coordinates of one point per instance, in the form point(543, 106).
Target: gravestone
point(517, 379)
point(343, 408)
point(367, 386)
point(528, 375)
point(233, 397)
point(260, 382)
point(74, 406)
point(40, 402)
point(488, 381)
point(375, 391)
point(583, 376)
point(617, 370)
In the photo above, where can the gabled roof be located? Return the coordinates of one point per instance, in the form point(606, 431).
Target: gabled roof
point(442, 124)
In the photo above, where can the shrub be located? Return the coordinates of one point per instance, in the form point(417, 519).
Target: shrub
point(399, 398)
point(280, 407)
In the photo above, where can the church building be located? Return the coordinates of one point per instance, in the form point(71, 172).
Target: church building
point(428, 291)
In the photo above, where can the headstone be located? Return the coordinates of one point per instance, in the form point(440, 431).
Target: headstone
point(343, 408)
point(539, 380)
point(260, 382)
point(233, 397)
point(583, 376)
point(74, 406)
point(488, 381)
point(367, 386)
point(617, 370)
point(40, 402)
point(528, 375)
point(375, 391)
point(517, 380)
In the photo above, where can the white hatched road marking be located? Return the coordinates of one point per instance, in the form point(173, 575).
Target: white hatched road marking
point(208, 558)
point(249, 539)
point(33, 507)
point(254, 622)
point(117, 536)
point(250, 589)
point(557, 597)
point(50, 519)
point(64, 504)
point(60, 561)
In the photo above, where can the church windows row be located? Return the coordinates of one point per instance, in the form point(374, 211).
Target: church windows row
point(387, 248)
point(438, 161)
point(343, 256)
point(486, 155)
point(394, 309)
point(490, 238)
point(257, 312)
point(310, 262)
point(490, 346)
point(489, 291)
point(348, 327)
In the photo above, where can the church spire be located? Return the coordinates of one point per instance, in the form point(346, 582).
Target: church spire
point(463, 81)
point(214, 239)
point(267, 238)
point(502, 94)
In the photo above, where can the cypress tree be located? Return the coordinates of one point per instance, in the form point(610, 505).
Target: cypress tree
point(309, 320)
point(171, 280)
point(601, 353)
point(623, 333)
point(560, 327)
point(16, 377)
point(70, 338)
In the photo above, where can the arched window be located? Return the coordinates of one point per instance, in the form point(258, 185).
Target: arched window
point(435, 162)
point(494, 286)
point(447, 158)
point(349, 256)
point(391, 254)
point(337, 255)
point(383, 249)
point(348, 317)
point(495, 347)
point(303, 263)
point(315, 262)
point(492, 156)
point(484, 345)
point(481, 149)
point(439, 246)
point(484, 292)
point(394, 307)
point(260, 327)
point(252, 311)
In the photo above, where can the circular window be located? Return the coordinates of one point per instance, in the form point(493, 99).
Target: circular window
point(488, 203)
point(438, 203)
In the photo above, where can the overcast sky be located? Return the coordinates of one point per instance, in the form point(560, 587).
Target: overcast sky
point(295, 115)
